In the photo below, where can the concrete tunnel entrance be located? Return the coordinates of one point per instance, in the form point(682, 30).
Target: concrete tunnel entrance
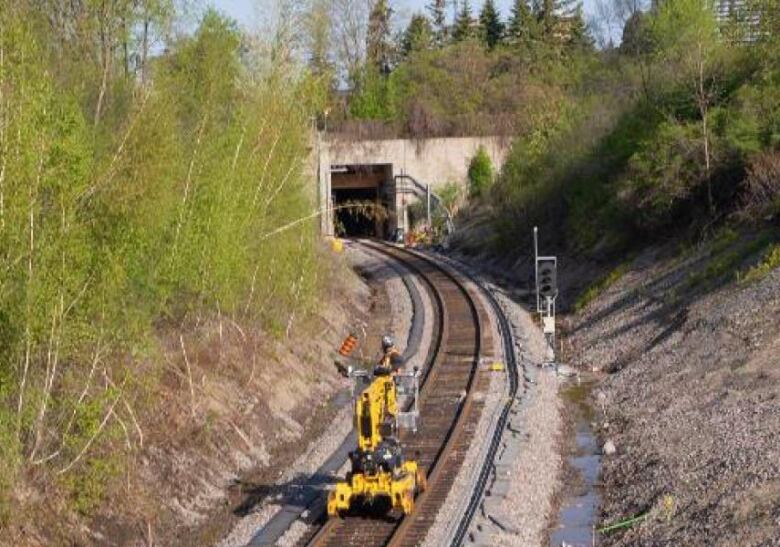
point(363, 199)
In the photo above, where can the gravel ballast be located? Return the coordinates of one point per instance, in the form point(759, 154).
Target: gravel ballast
point(536, 476)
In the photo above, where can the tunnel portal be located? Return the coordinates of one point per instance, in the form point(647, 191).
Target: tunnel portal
point(363, 199)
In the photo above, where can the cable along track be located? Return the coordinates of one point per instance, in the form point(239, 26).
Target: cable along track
point(449, 409)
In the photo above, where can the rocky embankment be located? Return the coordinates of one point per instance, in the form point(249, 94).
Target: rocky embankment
point(691, 404)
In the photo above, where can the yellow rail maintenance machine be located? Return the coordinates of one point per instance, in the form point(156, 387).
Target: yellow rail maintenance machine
point(379, 469)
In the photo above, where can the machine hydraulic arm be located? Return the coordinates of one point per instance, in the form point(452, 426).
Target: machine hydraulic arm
point(379, 469)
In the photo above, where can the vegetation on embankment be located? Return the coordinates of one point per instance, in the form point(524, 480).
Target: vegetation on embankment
point(670, 136)
point(139, 172)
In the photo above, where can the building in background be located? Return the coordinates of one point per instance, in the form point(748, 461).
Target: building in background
point(733, 12)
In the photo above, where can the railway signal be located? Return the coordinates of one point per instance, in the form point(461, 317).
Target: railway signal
point(546, 270)
point(547, 266)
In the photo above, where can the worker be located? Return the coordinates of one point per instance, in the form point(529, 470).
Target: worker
point(391, 357)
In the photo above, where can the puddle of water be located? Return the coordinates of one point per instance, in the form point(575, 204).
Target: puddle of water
point(577, 515)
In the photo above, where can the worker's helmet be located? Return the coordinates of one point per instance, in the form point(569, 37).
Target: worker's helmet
point(387, 342)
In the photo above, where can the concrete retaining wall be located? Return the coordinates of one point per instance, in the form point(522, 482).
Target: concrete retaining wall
point(431, 161)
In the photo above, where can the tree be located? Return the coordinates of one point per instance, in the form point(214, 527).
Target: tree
point(349, 34)
point(611, 17)
point(418, 36)
point(378, 39)
point(561, 23)
point(372, 97)
point(286, 32)
point(491, 28)
point(639, 43)
point(578, 36)
point(546, 15)
point(689, 43)
point(437, 10)
point(318, 26)
point(463, 29)
point(762, 19)
point(637, 39)
point(522, 25)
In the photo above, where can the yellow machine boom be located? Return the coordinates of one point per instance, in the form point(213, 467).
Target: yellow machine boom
point(378, 467)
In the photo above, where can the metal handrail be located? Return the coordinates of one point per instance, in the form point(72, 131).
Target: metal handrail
point(424, 189)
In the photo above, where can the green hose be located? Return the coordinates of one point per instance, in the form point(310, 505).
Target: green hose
point(622, 524)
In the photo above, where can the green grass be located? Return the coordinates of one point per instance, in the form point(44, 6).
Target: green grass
point(86, 486)
point(725, 262)
point(600, 286)
point(769, 261)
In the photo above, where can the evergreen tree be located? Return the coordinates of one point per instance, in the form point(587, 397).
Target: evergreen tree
point(546, 13)
point(577, 30)
point(437, 10)
point(463, 29)
point(491, 28)
point(418, 35)
point(561, 22)
point(379, 47)
point(637, 35)
point(522, 25)
point(318, 26)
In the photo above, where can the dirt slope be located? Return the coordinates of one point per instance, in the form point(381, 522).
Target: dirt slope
point(227, 400)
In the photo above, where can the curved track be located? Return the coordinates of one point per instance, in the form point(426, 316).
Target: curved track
point(449, 409)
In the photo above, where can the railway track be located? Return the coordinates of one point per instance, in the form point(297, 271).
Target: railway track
point(449, 405)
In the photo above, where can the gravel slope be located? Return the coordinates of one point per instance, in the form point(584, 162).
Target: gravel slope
point(693, 410)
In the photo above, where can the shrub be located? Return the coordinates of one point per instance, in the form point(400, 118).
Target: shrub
point(480, 173)
point(662, 174)
point(761, 190)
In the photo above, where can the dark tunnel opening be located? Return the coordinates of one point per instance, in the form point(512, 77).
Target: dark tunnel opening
point(356, 221)
point(360, 198)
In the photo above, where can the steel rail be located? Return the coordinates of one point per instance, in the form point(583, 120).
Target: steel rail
point(505, 332)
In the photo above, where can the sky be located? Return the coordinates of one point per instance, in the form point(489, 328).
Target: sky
point(244, 11)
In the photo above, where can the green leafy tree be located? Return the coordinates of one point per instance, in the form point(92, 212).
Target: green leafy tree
point(491, 29)
point(689, 44)
point(480, 173)
point(373, 99)
point(128, 206)
point(761, 24)
point(463, 29)
point(418, 36)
